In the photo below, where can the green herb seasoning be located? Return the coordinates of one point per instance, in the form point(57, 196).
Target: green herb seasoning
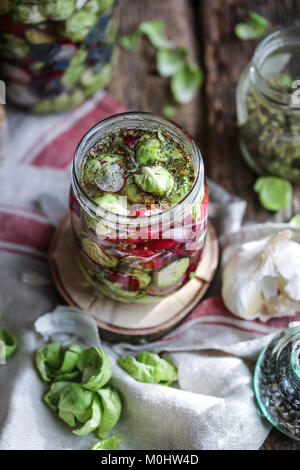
point(268, 106)
point(148, 167)
point(271, 135)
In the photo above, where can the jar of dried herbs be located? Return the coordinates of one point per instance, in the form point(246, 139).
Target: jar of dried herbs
point(277, 381)
point(268, 106)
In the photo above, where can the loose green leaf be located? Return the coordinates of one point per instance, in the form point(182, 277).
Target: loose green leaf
point(149, 368)
point(111, 443)
point(9, 340)
point(274, 193)
point(75, 404)
point(295, 221)
point(255, 27)
point(130, 41)
point(170, 61)
point(111, 405)
point(94, 420)
point(186, 82)
point(52, 396)
point(169, 111)
point(54, 364)
point(155, 32)
point(95, 367)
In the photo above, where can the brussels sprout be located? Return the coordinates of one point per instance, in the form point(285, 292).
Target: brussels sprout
point(96, 254)
point(171, 273)
point(91, 169)
point(112, 203)
point(132, 191)
point(111, 405)
point(182, 190)
point(149, 368)
point(57, 10)
point(53, 365)
point(26, 14)
point(115, 291)
point(10, 341)
point(149, 152)
point(75, 403)
point(143, 278)
point(94, 420)
point(14, 47)
point(76, 68)
point(95, 367)
point(93, 82)
point(78, 26)
point(111, 443)
point(156, 180)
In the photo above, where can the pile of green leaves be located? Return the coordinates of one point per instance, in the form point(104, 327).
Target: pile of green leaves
point(79, 393)
point(149, 368)
point(186, 77)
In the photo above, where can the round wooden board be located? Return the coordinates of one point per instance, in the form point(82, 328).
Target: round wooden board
point(131, 322)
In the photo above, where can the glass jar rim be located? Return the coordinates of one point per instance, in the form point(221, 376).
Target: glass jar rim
point(281, 37)
point(98, 130)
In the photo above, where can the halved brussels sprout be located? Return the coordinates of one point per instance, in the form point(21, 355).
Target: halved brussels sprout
point(75, 404)
point(57, 10)
point(75, 69)
point(156, 180)
point(14, 47)
point(96, 254)
point(95, 367)
point(94, 420)
point(150, 151)
point(132, 191)
point(112, 203)
point(111, 405)
point(79, 24)
point(167, 370)
point(10, 341)
point(52, 396)
point(26, 14)
point(143, 278)
point(171, 273)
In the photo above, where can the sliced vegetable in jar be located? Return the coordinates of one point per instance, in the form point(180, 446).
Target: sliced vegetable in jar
point(10, 342)
point(96, 253)
point(149, 152)
point(274, 193)
point(171, 273)
point(95, 367)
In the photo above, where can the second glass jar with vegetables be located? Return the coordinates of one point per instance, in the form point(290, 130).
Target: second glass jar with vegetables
point(268, 106)
point(138, 206)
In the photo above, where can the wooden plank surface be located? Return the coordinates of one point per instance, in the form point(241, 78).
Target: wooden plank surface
point(206, 28)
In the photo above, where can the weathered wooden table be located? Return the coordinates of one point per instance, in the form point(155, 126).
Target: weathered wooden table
point(206, 27)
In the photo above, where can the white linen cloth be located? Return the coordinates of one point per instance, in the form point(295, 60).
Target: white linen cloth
point(211, 407)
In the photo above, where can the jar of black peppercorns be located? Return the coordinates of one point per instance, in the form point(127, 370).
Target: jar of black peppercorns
point(277, 381)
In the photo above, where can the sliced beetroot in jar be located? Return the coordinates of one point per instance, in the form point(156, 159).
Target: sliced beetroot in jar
point(161, 244)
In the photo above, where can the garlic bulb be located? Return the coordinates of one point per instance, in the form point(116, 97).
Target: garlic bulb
point(261, 279)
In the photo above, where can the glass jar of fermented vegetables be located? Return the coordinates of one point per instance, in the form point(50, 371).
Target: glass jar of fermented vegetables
point(268, 106)
point(56, 53)
point(138, 206)
point(277, 381)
